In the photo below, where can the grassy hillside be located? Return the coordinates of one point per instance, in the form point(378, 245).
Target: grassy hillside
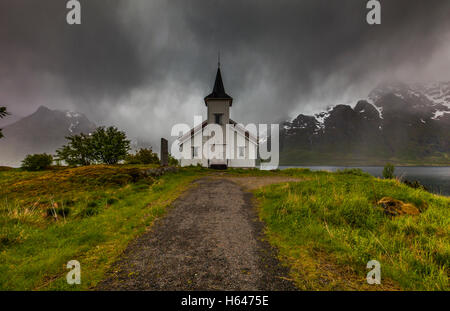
point(88, 214)
point(329, 226)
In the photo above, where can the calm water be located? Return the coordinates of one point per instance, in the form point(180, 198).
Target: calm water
point(437, 179)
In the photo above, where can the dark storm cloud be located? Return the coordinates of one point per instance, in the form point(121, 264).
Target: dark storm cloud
point(91, 59)
point(145, 65)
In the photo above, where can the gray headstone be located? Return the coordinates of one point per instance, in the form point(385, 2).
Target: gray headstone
point(164, 152)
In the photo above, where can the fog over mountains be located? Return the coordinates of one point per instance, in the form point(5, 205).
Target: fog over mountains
point(43, 131)
point(402, 123)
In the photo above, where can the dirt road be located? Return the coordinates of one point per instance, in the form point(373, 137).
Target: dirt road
point(211, 239)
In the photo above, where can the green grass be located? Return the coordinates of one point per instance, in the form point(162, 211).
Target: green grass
point(326, 226)
point(330, 221)
point(103, 208)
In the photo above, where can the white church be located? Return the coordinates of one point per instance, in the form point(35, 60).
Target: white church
point(238, 148)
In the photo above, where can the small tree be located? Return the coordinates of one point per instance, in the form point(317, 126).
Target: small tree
point(3, 113)
point(109, 145)
point(37, 162)
point(143, 156)
point(173, 161)
point(388, 171)
point(79, 150)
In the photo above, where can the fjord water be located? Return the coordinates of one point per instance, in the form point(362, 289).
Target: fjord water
point(436, 179)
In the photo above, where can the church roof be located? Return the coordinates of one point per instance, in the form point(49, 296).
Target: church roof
point(238, 127)
point(218, 90)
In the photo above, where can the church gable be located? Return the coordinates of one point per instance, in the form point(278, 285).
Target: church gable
point(240, 151)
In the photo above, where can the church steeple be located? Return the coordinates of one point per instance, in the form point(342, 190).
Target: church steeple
point(218, 90)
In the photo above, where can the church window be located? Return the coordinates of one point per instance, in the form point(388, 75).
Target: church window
point(218, 118)
point(241, 151)
point(194, 152)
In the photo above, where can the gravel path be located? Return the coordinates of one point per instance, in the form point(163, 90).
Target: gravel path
point(211, 239)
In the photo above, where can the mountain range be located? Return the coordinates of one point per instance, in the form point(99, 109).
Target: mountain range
point(43, 131)
point(400, 123)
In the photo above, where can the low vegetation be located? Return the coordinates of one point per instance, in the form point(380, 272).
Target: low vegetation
point(88, 214)
point(3, 113)
point(388, 171)
point(37, 162)
point(103, 146)
point(142, 156)
point(328, 226)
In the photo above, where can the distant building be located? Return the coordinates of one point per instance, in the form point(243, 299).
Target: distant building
point(242, 152)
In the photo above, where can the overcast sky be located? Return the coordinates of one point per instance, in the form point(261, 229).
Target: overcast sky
point(144, 65)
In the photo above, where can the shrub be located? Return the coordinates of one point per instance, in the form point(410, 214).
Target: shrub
point(37, 162)
point(109, 145)
point(143, 156)
point(388, 171)
point(78, 151)
point(104, 145)
point(3, 113)
point(173, 161)
point(415, 184)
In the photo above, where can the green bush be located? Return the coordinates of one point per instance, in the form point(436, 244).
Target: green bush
point(37, 162)
point(3, 113)
point(143, 156)
point(109, 145)
point(104, 145)
point(173, 161)
point(388, 171)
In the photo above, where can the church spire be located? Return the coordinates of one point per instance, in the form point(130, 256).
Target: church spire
point(218, 89)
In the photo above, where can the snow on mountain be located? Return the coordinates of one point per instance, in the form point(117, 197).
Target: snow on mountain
point(439, 113)
point(43, 131)
point(408, 121)
point(434, 93)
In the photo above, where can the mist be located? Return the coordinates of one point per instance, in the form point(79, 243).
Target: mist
point(146, 65)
